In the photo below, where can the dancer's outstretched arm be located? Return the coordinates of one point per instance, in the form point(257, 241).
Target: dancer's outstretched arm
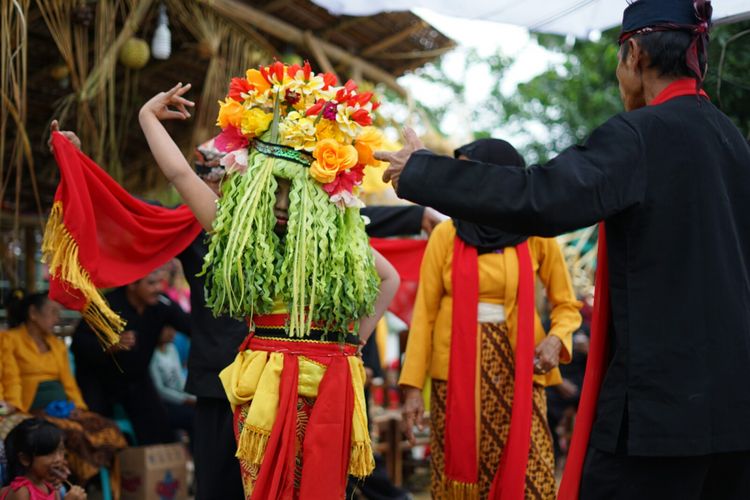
point(389, 282)
point(196, 194)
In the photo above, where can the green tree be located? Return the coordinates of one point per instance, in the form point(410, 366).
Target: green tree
point(573, 97)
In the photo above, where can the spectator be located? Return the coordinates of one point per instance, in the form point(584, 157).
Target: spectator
point(36, 372)
point(121, 375)
point(169, 379)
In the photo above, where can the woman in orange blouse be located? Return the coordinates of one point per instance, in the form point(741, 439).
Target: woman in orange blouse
point(467, 468)
point(37, 379)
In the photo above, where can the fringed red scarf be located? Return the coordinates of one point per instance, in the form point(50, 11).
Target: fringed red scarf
point(596, 364)
point(461, 458)
point(99, 236)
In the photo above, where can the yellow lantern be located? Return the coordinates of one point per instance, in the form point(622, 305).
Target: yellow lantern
point(134, 53)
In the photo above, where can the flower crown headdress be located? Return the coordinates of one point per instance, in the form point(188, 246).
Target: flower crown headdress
point(286, 122)
point(292, 106)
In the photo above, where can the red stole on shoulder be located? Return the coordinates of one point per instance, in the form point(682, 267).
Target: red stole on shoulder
point(461, 457)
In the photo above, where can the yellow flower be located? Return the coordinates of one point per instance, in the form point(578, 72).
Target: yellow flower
point(255, 121)
point(331, 158)
point(327, 129)
point(369, 140)
point(230, 113)
point(257, 81)
point(298, 131)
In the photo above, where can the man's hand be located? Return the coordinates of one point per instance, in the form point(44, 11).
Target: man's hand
point(413, 412)
point(547, 354)
point(399, 158)
point(430, 219)
point(71, 136)
point(162, 103)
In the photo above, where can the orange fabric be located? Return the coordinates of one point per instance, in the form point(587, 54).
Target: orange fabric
point(24, 367)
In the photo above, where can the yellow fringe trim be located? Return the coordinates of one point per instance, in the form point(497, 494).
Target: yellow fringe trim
point(361, 461)
point(252, 444)
point(60, 252)
point(455, 490)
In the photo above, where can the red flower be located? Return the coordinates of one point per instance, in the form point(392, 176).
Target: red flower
point(345, 180)
point(264, 72)
point(292, 70)
point(316, 108)
point(277, 68)
point(362, 116)
point(230, 139)
point(375, 105)
point(344, 94)
point(307, 70)
point(361, 99)
point(237, 87)
point(329, 79)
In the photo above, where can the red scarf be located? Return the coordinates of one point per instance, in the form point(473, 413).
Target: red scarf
point(99, 236)
point(461, 464)
point(596, 364)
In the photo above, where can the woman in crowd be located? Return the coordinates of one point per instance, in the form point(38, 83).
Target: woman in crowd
point(36, 368)
point(464, 333)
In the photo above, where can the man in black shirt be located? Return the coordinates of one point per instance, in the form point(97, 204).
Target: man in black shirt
point(671, 179)
point(121, 374)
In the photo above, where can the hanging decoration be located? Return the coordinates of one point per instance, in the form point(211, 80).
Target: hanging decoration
point(134, 53)
point(161, 44)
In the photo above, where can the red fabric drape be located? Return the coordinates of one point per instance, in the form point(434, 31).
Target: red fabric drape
point(276, 476)
point(461, 464)
point(118, 238)
point(406, 256)
point(595, 370)
point(598, 347)
point(460, 417)
point(510, 480)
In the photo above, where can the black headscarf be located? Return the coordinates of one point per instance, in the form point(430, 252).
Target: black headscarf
point(487, 239)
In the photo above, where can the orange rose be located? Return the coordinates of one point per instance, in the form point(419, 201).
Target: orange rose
point(369, 140)
point(257, 81)
point(230, 113)
point(331, 158)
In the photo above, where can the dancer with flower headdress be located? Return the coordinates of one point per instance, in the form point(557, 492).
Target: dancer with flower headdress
point(288, 251)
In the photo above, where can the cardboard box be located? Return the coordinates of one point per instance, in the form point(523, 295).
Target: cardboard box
point(157, 472)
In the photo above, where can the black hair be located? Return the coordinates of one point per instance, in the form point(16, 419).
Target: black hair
point(667, 51)
point(34, 437)
point(19, 302)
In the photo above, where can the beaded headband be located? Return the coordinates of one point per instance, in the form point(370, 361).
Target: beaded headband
point(282, 152)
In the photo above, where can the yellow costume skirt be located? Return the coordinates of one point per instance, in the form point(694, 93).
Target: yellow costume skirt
point(300, 417)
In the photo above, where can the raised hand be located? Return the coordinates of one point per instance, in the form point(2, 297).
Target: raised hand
point(71, 136)
point(399, 158)
point(162, 104)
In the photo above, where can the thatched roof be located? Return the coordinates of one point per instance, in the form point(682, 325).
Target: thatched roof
point(211, 40)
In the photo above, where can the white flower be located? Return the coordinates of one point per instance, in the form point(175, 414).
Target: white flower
point(235, 161)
